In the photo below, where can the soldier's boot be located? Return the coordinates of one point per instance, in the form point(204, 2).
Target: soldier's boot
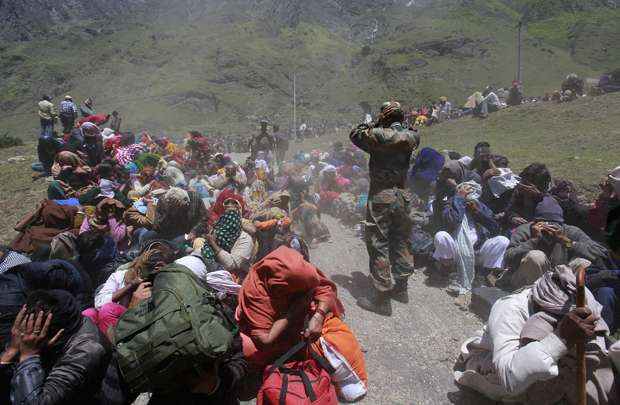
point(400, 291)
point(378, 302)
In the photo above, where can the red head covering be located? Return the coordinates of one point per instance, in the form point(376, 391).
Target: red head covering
point(270, 287)
point(218, 207)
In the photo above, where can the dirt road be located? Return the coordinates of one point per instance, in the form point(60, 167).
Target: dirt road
point(410, 355)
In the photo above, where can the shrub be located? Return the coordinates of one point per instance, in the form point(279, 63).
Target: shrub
point(7, 141)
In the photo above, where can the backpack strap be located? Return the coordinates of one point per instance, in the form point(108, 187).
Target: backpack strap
point(305, 380)
point(283, 390)
point(286, 357)
point(307, 385)
point(322, 361)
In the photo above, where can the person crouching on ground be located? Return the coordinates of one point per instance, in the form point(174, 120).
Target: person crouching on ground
point(527, 351)
point(470, 232)
point(55, 356)
point(285, 299)
point(547, 241)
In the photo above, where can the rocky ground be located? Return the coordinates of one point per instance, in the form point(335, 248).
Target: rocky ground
point(409, 356)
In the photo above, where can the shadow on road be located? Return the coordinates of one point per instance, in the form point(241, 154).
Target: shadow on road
point(356, 283)
point(434, 279)
point(466, 396)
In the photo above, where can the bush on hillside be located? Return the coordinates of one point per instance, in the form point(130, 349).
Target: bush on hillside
point(7, 141)
point(615, 76)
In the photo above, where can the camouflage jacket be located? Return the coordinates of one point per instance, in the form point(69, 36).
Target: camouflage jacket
point(390, 152)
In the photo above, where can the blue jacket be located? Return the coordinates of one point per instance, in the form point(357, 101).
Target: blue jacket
point(485, 223)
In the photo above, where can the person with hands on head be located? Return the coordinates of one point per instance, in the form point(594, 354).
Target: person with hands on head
point(534, 186)
point(55, 356)
point(469, 233)
point(129, 285)
point(390, 144)
point(545, 242)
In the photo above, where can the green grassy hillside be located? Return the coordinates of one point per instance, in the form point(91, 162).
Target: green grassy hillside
point(220, 66)
point(578, 141)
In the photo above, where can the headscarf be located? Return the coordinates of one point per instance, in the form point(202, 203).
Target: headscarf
point(555, 293)
point(226, 232)
point(507, 180)
point(466, 161)
point(427, 165)
point(270, 286)
point(456, 169)
point(90, 129)
point(474, 194)
point(218, 207)
point(177, 212)
point(66, 315)
point(222, 281)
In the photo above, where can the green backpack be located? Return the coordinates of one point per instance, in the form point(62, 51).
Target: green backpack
point(182, 327)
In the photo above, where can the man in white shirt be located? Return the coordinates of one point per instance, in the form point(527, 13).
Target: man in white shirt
point(526, 353)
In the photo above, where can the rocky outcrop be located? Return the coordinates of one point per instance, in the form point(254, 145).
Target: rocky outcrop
point(24, 20)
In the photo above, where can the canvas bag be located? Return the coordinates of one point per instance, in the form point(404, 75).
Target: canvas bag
point(182, 327)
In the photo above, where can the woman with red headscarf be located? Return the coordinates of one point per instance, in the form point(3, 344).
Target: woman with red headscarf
point(218, 208)
point(284, 299)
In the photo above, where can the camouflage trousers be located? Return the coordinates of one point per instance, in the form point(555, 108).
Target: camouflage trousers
point(388, 232)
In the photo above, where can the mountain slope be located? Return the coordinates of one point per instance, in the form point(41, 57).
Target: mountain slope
point(221, 65)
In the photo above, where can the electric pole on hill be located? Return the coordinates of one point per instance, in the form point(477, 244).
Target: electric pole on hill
point(295, 106)
point(519, 77)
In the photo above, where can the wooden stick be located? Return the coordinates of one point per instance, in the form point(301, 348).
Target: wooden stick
point(581, 346)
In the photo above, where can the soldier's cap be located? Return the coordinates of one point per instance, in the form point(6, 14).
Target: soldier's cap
point(390, 107)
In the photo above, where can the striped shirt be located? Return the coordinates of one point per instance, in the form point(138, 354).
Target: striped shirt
point(68, 107)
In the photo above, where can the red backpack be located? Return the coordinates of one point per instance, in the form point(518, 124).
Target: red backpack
point(306, 382)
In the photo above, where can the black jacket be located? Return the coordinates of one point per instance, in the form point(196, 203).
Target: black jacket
point(71, 375)
point(521, 243)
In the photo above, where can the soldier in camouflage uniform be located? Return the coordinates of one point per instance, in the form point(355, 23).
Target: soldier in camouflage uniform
point(390, 145)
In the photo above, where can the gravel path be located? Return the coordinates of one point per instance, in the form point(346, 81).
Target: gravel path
point(410, 355)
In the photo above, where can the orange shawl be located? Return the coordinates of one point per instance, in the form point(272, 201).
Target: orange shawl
point(272, 284)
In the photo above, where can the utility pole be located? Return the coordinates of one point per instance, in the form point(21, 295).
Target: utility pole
point(294, 106)
point(519, 77)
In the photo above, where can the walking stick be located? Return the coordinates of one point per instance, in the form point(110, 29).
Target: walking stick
point(581, 345)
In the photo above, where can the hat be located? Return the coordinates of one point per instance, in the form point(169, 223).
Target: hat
point(549, 210)
point(68, 97)
point(390, 107)
point(614, 180)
